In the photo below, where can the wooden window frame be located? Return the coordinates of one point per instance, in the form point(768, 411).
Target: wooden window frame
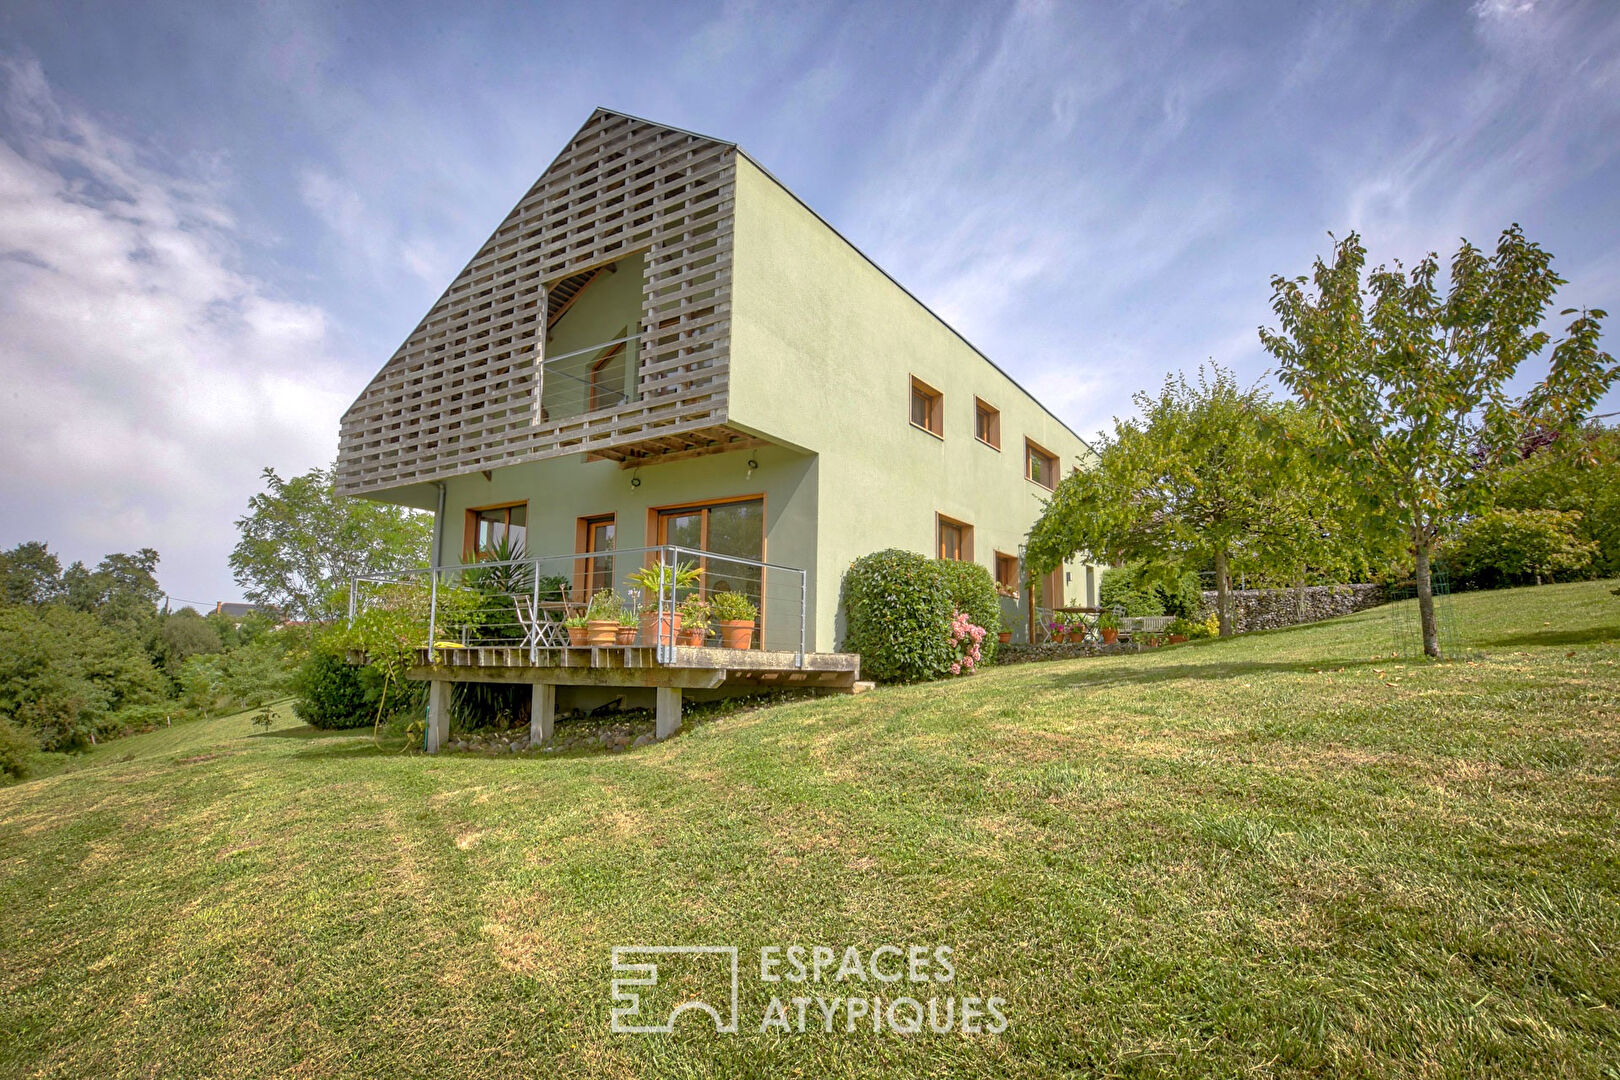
point(935, 412)
point(469, 536)
point(982, 407)
point(1001, 559)
point(596, 369)
point(584, 568)
point(655, 513)
point(942, 520)
point(1051, 585)
point(656, 533)
point(1032, 448)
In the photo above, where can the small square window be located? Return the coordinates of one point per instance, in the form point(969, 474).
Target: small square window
point(1040, 465)
point(927, 408)
point(494, 528)
point(986, 424)
point(1007, 573)
point(955, 539)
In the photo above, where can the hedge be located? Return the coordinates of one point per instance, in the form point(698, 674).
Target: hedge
point(898, 616)
point(898, 606)
point(973, 590)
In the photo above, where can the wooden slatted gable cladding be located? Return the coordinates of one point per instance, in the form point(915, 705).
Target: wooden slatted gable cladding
point(460, 394)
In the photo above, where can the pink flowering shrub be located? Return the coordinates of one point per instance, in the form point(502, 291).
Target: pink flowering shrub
point(967, 639)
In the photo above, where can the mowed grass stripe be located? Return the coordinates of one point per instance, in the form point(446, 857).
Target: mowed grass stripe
point(1287, 853)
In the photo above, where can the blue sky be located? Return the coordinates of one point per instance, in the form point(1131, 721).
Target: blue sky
point(216, 221)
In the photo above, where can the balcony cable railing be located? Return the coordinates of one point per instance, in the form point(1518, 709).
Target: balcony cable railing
point(589, 375)
point(529, 602)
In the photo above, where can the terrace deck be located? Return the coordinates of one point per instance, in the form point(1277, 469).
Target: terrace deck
point(621, 665)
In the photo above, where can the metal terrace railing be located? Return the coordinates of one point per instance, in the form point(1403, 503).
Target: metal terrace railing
point(653, 593)
point(600, 376)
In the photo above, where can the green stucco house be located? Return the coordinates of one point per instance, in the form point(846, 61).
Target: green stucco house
point(660, 344)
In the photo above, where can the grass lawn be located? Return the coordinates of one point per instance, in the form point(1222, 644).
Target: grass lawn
point(1279, 855)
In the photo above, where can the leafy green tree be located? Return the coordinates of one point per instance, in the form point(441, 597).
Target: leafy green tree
point(1578, 472)
point(1505, 547)
point(1199, 480)
point(29, 574)
point(178, 637)
point(301, 543)
point(122, 591)
point(64, 673)
point(1412, 385)
point(1143, 588)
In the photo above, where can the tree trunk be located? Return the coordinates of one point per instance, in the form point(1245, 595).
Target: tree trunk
point(1223, 593)
point(1299, 598)
point(1425, 591)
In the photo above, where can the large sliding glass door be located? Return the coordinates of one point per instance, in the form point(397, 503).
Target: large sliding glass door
point(735, 527)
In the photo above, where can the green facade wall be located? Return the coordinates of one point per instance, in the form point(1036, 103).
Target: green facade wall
point(562, 490)
point(823, 348)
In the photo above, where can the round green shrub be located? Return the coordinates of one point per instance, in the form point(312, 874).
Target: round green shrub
point(331, 693)
point(898, 612)
point(973, 590)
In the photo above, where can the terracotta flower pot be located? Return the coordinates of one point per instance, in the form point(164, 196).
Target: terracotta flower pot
point(1177, 639)
point(1110, 636)
point(692, 637)
point(627, 634)
point(659, 629)
point(578, 635)
point(737, 633)
point(1004, 636)
point(602, 632)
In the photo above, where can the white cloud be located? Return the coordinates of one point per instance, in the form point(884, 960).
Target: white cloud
point(147, 379)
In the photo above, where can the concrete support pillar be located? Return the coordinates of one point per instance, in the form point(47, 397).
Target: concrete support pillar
point(668, 717)
point(542, 712)
point(438, 722)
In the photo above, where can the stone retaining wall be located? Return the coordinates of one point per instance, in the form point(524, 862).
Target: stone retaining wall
point(1268, 609)
point(1024, 654)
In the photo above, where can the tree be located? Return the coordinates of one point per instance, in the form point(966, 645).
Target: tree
point(1578, 472)
point(1504, 547)
point(122, 591)
point(1199, 480)
point(1412, 387)
point(302, 542)
point(179, 637)
point(29, 574)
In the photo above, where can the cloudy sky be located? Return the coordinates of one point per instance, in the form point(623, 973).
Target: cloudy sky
point(217, 220)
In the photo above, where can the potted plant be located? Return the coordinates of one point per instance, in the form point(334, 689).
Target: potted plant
point(1004, 634)
point(602, 617)
point(660, 627)
point(1108, 626)
point(1179, 629)
point(736, 614)
point(578, 634)
point(694, 626)
point(629, 624)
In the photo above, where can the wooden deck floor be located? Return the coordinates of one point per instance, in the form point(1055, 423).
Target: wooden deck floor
point(636, 665)
point(622, 665)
